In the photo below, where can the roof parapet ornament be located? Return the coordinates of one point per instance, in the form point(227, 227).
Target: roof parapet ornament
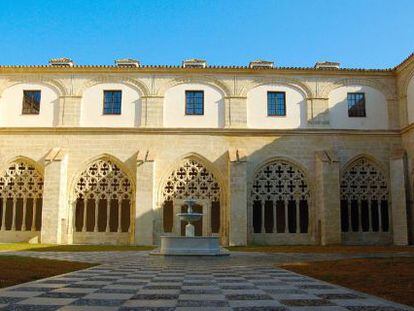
point(61, 62)
point(194, 63)
point(127, 62)
point(327, 65)
point(261, 64)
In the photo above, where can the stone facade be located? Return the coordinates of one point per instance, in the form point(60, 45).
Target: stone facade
point(301, 199)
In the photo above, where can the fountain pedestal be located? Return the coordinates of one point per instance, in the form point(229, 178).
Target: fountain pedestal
point(190, 245)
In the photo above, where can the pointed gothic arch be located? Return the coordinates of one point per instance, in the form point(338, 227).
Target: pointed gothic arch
point(21, 196)
point(103, 202)
point(192, 178)
point(365, 197)
point(280, 198)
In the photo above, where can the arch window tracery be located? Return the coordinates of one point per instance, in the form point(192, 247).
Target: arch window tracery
point(280, 198)
point(191, 180)
point(103, 198)
point(364, 198)
point(21, 191)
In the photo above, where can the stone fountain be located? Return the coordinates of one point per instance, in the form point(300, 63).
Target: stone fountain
point(190, 245)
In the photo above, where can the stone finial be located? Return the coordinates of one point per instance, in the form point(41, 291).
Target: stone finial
point(127, 62)
point(327, 65)
point(61, 62)
point(261, 64)
point(194, 63)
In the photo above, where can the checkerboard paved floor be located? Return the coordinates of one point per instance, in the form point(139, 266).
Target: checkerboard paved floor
point(142, 282)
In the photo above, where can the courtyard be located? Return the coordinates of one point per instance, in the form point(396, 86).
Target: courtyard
point(135, 280)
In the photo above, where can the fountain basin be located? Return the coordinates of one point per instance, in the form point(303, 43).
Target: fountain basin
point(190, 246)
point(190, 217)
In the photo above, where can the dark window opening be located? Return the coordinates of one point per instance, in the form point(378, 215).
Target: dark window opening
point(280, 216)
point(356, 105)
point(364, 216)
point(194, 102)
point(292, 216)
point(354, 215)
point(303, 216)
point(215, 217)
point(112, 102)
point(384, 216)
point(269, 218)
point(276, 104)
point(344, 216)
point(168, 216)
point(31, 102)
point(257, 216)
point(375, 216)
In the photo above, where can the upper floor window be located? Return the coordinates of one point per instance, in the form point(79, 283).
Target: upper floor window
point(194, 102)
point(276, 104)
point(31, 102)
point(356, 105)
point(112, 102)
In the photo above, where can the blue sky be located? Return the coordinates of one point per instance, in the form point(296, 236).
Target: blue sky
point(357, 33)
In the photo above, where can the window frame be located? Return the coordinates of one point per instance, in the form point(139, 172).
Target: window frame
point(186, 104)
point(23, 101)
point(103, 106)
point(355, 103)
point(276, 110)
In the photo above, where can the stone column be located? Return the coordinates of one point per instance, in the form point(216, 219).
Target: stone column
point(237, 198)
point(144, 200)
point(55, 208)
point(152, 111)
point(327, 196)
point(398, 197)
point(235, 112)
point(69, 111)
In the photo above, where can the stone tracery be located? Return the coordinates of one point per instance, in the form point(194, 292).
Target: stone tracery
point(108, 188)
point(280, 198)
point(364, 198)
point(21, 191)
point(192, 180)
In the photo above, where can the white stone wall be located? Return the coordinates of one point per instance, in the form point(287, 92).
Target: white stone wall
point(233, 100)
point(296, 114)
point(174, 107)
point(375, 107)
point(92, 115)
point(11, 104)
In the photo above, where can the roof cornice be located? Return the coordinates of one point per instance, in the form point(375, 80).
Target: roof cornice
point(242, 70)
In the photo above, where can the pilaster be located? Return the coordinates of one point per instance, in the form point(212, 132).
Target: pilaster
point(144, 200)
point(69, 111)
point(237, 198)
point(235, 112)
point(328, 196)
point(152, 111)
point(398, 197)
point(54, 209)
point(318, 111)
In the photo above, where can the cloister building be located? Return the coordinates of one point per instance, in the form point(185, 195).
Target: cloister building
point(272, 155)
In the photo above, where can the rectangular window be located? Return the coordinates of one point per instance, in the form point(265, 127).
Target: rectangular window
point(31, 102)
point(194, 102)
point(112, 102)
point(276, 104)
point(356, 105)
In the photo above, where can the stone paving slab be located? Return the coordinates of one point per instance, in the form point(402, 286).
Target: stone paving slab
point(138, 281)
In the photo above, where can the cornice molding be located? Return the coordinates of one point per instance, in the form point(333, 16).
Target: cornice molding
point(180, 71)
point(192, 131)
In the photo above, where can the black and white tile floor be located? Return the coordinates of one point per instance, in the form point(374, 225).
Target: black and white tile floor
point(138, 281)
